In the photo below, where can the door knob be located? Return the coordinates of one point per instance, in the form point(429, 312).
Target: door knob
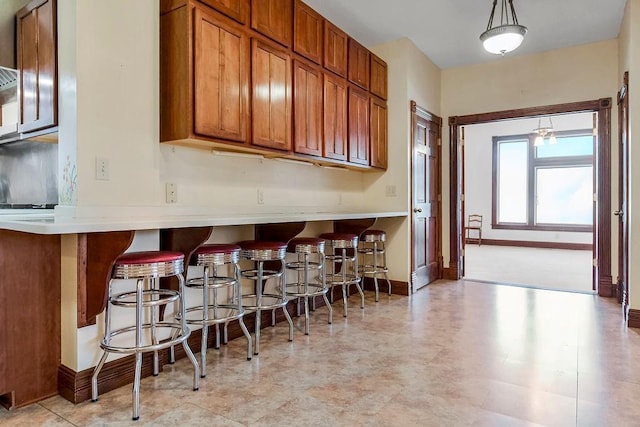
point(417, 210)
point(618, 213)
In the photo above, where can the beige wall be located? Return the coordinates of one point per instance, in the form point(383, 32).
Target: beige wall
point(630, 61)
point(560, 76)
point(412, 76)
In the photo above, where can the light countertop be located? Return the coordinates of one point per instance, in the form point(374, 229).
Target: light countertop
point(47, 222)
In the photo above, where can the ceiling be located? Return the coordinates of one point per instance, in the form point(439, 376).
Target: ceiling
point(448, 31)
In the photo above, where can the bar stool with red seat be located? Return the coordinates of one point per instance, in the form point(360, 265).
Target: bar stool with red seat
point(342, 256)
point(374, 257)
point(308, 285)
point(146, 268)
point(261, 252)
point(211, 257)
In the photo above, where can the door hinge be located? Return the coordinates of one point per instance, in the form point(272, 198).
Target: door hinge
point(462, 252)
point(439, 197)
point(462, 197)
point(595, 262)
point(439, 142)
point(595, 197)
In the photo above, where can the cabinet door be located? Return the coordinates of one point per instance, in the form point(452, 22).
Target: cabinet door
point(273, 18)
point(37, 65)
point(335, 49)
point(221, 79)
point(307, 104)
point(378, 77)
point(271, 96)
point(358, 71)
point(236, 9)
point(307, 32)
point(335, 117)
point(378, 110)
point(358, 126)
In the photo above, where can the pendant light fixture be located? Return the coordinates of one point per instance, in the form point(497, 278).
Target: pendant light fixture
point(544, 132)
point(508, 35)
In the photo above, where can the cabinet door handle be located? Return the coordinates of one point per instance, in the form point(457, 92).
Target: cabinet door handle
point(417, 210)
point(618, 213)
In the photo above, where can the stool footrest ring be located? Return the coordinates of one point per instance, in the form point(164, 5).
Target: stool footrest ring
point(147, 345)
point(150, 298)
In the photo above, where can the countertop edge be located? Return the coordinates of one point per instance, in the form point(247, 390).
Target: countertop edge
point(51, 224)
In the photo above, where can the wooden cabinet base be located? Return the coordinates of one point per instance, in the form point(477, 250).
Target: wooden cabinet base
point(30, 317)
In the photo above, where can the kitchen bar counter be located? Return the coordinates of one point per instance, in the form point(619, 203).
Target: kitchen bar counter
point(37, 261)
point(40, 222)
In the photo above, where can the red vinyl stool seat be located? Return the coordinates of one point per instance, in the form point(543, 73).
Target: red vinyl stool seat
point(144, 336)
point(258, 299)
point(342, 256)
point(372, 249)
point(310, 259)
point(219, 308)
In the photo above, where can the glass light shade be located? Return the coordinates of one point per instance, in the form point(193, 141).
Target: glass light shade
point(552, 139)
point(503, 39)
point(539, 141)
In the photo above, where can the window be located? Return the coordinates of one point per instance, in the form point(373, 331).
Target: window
point(549, 187)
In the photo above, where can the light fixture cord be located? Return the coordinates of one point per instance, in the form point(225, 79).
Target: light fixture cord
point(493, 10)
point(513, 13)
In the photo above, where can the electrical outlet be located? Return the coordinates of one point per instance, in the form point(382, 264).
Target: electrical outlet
point(260, 197)
point(102, 169)
point(172, 192)
point(390, 191)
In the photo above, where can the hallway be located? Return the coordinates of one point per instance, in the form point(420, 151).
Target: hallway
point(453, 354)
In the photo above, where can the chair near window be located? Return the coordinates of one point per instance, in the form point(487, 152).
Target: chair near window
point(474, 224)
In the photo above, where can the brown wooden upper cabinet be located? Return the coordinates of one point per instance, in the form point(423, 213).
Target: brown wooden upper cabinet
point(213, 101)
point(359, 66)
point(307, 32)
point(236, 9)
point(271, 96)
point(378, 77)
point(335, 117)
point(36, 36)
point(307, 104)
point(335, 49)
point(273, 18)
point(358, 126)
point(378, 111)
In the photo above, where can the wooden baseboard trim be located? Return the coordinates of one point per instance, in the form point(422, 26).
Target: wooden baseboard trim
point(450, 273)
point(633, 318)
point(543, 245)
point(606, 288)
point(397, 287)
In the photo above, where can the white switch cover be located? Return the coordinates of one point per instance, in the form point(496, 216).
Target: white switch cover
point(102, 169)
point(172, 192)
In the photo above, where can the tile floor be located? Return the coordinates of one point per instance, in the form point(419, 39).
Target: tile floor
point(454, 354)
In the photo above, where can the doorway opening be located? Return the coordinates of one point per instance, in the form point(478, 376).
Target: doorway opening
point(528, 200)
point(601, 239)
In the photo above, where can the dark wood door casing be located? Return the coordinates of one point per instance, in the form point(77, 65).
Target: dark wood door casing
point(602, 251)
point(623, 194)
